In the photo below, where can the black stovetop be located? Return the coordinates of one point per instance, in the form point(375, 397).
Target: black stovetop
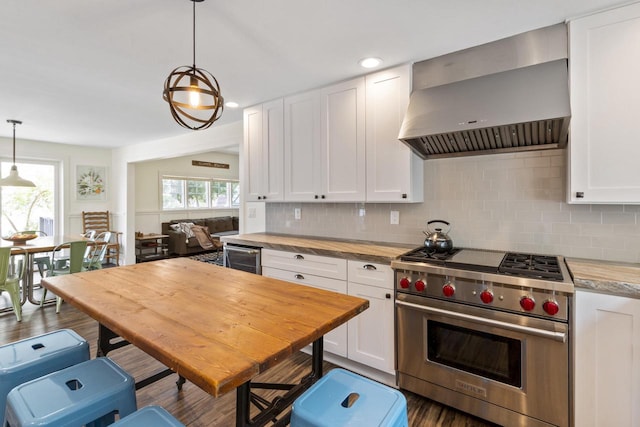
point(544, 267)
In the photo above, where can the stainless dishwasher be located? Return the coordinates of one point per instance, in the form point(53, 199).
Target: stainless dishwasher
point(245, 258)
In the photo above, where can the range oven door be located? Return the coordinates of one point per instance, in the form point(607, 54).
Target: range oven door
point(483, 361)
point(243, 258)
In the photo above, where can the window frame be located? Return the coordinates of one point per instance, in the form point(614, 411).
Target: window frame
point(232, 187)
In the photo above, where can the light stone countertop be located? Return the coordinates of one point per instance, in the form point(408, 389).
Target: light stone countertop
point(599, 276)
point(613, 278)
point(353, 249)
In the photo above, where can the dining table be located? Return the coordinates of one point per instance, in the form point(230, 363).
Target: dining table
point(213, 326)
point(39, 245)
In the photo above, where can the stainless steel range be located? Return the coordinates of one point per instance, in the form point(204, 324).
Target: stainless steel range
point(486, 332)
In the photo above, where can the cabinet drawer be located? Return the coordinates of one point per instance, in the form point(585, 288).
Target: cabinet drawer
point(333, 268)
point(370, 273)
point(306, 279)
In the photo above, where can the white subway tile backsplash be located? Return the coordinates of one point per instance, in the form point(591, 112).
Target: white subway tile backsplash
point(618, 218)
point(510, 201)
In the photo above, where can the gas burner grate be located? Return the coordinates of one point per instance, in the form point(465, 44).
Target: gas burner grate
point(424, 255)
point(531, 266)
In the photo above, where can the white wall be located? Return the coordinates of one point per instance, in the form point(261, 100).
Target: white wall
point(503, 201)
point(148, 203)
point(67, 157)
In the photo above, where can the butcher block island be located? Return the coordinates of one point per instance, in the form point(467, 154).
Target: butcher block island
point(215, 327)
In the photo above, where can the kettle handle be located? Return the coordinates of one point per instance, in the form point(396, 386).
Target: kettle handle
point(440, 221)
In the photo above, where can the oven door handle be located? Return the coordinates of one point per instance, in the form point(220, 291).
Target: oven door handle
point(553, 335)
point(248, 251)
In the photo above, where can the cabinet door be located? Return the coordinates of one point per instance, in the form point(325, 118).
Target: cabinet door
point(253, 158)
point(394, 172)
point(334, 341)
point(273, 150)
point(302, 163)
point(607, 360)
point(604, 147)
point(370, 334)
point(342, 139)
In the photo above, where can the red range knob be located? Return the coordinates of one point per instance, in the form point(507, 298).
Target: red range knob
point(551, 307)
point(405, 282)
point(527, 303)
point(420, 285)
point(486, 296)
point(448, 290)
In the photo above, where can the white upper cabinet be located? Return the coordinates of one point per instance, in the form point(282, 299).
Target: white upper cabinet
point(336, 144)
point(394, 172)
point(605, 99)
point(342, 141)
point(302, 165)
point(263, 152)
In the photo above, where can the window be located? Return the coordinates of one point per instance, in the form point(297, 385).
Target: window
point(197, 193)
point(172, 194)
point(28, 208)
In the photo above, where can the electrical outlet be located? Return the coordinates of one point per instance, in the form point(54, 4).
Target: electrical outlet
point(296, 213)
point(395, 217)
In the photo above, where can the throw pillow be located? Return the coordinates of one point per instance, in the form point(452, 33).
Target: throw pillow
point(184, 227)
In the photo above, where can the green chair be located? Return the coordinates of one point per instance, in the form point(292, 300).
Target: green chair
point(10, 276)
point(96, 252)
point(66, 264)
point(43, 261)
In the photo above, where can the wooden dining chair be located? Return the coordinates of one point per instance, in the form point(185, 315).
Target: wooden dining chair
point(11, 274)
point(62, 263)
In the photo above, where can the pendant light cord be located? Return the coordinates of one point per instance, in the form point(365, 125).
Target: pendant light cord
point(194, 34)
point(14, 143)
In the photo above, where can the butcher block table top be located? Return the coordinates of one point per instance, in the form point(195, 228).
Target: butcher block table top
point(216, 327)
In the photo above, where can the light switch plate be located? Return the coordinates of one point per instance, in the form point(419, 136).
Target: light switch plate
point(296, 213)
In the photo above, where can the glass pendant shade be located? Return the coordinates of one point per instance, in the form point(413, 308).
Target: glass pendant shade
point(14, 180)
point(193, 94)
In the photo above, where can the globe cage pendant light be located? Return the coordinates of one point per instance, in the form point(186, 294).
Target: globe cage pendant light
point(14, 180)
point(193, 94)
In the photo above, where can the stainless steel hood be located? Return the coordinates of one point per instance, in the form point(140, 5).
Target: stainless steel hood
point(507, 95)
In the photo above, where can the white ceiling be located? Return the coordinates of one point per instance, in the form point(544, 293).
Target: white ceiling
point(92, 72)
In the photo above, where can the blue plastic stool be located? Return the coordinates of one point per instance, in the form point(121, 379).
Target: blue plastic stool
point(149, 416)
point(342, 398)
point(89, 393)
point(28, 359)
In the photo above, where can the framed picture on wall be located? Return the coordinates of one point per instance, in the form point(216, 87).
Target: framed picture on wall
point(91, 182)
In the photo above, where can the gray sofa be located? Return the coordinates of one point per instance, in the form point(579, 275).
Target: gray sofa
point(218, 226)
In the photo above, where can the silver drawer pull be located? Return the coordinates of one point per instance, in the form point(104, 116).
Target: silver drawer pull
point(298, 256)
point(369, 267)
point(299, 276)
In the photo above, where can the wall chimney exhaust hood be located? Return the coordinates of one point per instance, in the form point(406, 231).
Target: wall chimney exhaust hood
point(503, 96)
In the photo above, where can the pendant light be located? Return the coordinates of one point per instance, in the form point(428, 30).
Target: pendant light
point(14, 180)
point(193, 94)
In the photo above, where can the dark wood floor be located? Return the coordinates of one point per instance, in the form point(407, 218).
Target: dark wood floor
point(192, 406)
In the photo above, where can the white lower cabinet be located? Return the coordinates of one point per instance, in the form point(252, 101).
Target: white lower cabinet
point(336, 340)
point(368, 338)
point(607, 360)
point(371, 333)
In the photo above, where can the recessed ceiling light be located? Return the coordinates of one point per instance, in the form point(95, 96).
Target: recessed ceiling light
point(231, 104)
point(370, 62)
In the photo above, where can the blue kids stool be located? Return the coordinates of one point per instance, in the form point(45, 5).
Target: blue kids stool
point(28, 359)
point(89, 393)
